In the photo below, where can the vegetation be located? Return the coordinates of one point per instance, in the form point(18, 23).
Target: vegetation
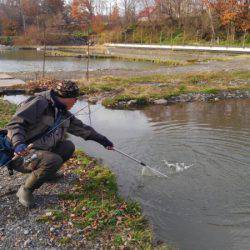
point(170, 63)
point(6, 111)
point(145, 21)
point(145, 89)
point(93, 207)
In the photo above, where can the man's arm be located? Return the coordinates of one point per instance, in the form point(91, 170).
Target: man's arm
point(88, 133)
point(28, 114)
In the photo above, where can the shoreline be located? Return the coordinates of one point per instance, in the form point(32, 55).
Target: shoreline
point(140, 91)
point(83, 210)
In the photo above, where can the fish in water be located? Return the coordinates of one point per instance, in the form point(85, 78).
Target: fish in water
point(177, 167)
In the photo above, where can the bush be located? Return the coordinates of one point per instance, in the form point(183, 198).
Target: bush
point(6, 40)
point(36, 38)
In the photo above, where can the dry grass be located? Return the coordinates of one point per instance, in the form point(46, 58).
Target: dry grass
point(158, 86)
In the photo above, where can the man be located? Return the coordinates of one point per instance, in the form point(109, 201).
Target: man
point(39, 128)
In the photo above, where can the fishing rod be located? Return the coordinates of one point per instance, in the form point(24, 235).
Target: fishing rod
point(140, 162)
point(51, 130)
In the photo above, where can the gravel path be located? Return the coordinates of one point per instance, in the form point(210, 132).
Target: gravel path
point(18, 225)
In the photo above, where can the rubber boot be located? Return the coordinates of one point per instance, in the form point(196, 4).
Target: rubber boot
point(25, 196)
point(25, 192)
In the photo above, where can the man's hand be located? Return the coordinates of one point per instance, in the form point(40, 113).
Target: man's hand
point(21, 149)
point(103, 140)
point(110, 148)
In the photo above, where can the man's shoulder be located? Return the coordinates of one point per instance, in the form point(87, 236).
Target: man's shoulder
point(36, 100)
point(33, 106)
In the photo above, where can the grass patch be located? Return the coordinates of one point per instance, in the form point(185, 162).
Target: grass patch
point(65, 240)
point(69, 52)
point(94, 206)
point(143, 90)
point(211, 91)
point(7, 110)
point(147, 88)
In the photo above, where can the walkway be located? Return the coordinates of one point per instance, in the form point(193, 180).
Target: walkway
point(7, 81)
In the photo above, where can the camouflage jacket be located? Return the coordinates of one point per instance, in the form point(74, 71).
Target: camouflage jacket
point(36, 116)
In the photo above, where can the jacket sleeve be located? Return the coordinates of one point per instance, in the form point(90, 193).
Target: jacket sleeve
point(28, 114)
point(78, 128)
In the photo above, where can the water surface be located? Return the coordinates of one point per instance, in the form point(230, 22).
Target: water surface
point(32, 61)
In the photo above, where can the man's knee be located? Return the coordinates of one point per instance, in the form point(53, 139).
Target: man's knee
point(65, 149)
point(69, 146)
point(49, 164)
point(53, 159)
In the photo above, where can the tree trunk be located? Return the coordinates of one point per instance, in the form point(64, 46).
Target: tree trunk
point(23, 16)
point(211, 21)
point(244, 38)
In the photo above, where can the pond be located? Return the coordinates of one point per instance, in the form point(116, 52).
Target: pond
point(206, 206)
point(32, 61)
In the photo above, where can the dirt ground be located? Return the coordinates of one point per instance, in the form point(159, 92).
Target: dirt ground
point(19, 227)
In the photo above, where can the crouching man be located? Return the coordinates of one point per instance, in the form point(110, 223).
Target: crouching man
point(31, 132)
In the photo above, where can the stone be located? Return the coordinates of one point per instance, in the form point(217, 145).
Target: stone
point(93, 100)
point(5, 77)
point(131, 102)
point(27, 242)
point(49, 214)
point(26, 232)
point(121, 104)
point(161, 102)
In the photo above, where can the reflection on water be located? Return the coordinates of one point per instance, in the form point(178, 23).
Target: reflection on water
point(31, 61)
point(207, 206)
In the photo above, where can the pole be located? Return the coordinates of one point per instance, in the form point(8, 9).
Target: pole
point(88, 57)
point(140, 162)
point(44, 47)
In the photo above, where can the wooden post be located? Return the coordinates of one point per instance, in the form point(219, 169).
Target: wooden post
point(90, 121)
point(244, 38)
point(88, 57)
point(44, 48)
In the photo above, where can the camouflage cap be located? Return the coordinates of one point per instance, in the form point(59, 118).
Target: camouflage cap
point(67, 89)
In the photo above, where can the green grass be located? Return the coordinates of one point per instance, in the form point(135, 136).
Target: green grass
point(94, 206)
point(143, 90)
point(211, 91)
point(6, 110)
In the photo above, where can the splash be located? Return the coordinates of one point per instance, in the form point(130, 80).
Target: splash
point(148, 171)
point(177, 167)
point(173, 168)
